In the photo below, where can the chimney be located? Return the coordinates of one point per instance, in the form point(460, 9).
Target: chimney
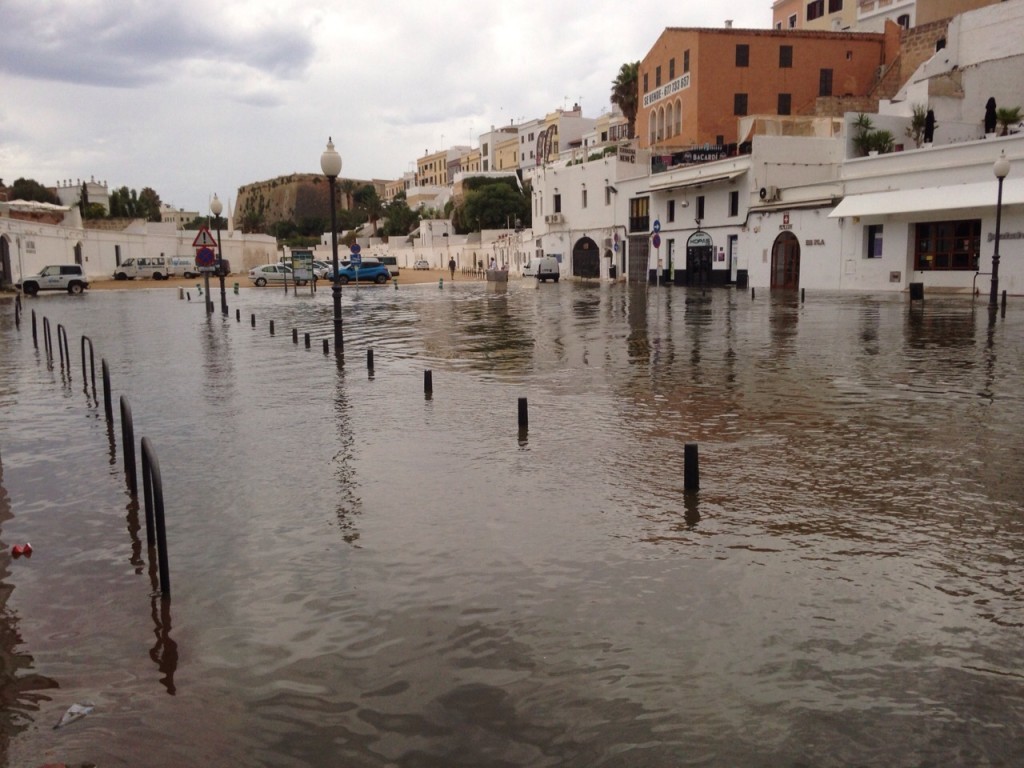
point(728, 23)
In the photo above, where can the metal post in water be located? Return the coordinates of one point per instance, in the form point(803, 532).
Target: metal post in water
point(327, 346)
point(751, 293)
point(154, 488)
point(128, 443)
point(92, 364)
point(238, 315)
point(295, 335)
point(802, 295)
point(428, 382)
point(691, 467)
point(369, 359)
point(271, 327)
point(35, 341)
point(1002, 311)
point(524, 414)
point(252, 319)
point(64, 347)
point(308, 340)
point(106, 389)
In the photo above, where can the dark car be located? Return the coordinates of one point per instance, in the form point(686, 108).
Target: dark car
point(367, 273)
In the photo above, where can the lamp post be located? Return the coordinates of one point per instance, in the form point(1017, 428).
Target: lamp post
point(216, 207)
point(330, 164)
point(1001, 168)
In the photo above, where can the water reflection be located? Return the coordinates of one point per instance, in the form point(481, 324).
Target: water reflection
point(389, 578)
point(20, 685)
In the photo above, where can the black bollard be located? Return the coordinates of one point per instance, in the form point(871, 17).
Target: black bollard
point(802, 295)
point(428, 382)
point(327, 347)
point(295, 335)
point(751, 293)
point(1002, 311)
point(107, 407)
point(691, 468)
point(35, 339)
point(238, 315)
point(252, 320)
point(271, 327)
point(524, 414)
point(308, 342)
point(369, 359)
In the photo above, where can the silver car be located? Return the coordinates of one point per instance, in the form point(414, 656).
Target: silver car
point(272, 273)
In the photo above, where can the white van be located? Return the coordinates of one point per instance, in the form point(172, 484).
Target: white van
point(543, 268)
point(156, 267)
point(184, 266)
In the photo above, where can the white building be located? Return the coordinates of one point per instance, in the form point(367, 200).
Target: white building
point(31, 238)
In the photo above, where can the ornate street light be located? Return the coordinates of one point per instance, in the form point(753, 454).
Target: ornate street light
point(216, 207)
point(1001, 168)
point(330, 164)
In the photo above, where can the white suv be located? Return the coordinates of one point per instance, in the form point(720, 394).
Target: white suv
point(56, 277)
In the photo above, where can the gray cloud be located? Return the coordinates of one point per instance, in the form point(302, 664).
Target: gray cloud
point(131, 45)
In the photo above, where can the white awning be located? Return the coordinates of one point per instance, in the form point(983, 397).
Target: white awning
point(669, 184)
point(949, 198)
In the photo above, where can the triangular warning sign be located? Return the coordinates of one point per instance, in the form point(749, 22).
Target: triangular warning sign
point(204, 239)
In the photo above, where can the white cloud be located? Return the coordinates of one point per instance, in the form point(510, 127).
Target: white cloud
point(191, 98)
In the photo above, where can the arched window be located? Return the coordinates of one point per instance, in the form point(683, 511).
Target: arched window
point(654, 125)
point(679, 117)
point(904, 21)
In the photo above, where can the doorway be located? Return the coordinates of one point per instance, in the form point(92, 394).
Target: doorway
point(786, 262)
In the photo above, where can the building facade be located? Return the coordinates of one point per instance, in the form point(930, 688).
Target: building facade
point(695, 84)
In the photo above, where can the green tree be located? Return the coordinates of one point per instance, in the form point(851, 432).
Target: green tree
point(491, 206)
point(399, 218)
point(32, 190)
point(1007, 116)
point(368, 202)
point(124, 204)
point(624, 93)
point(149, 204)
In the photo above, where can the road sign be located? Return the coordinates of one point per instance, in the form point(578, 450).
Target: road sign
point(204, 239)
point(355, 248)
point(657, 226)
point(205, 257)
point(656, 240)
point(356, 260)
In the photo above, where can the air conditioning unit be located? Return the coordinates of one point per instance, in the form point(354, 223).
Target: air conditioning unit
point(553, 218)
point(768, 194)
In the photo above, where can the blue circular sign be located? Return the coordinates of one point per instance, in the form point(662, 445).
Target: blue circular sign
point(205, 257)
point(355, 248)
point(657, 226)
point(656, 240)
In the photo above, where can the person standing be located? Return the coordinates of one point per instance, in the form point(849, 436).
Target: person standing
point(451, 266)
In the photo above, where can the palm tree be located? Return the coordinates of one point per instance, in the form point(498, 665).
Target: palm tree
point(1007, 116)
point(348, 189)
point(624, 93)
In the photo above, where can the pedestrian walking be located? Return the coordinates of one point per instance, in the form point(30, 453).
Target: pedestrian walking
point(451, 266)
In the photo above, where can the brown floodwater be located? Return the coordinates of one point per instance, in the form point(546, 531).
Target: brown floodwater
point(366, 575)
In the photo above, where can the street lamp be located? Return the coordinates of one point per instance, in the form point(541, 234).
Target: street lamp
point(1001, 168)
point(216, 207)
point(330, 164)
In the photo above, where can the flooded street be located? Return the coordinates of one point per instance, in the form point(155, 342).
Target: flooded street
point(365, 575)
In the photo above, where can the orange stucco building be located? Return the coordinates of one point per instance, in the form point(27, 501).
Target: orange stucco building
point(695, 84)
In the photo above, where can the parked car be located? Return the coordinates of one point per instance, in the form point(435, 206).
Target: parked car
point(421, 264)
point(272, 273)
point(543, 268)
point(156, 267)
point(391, 262)
point(321, 269)
point(55, 277)
point(370, 273)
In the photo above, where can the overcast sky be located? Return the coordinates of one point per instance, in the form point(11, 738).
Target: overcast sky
point(192, 98)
